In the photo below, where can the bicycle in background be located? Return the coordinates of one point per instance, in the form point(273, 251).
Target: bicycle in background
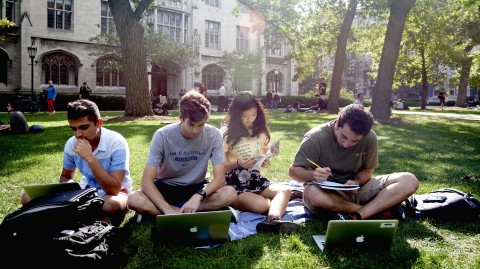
point(29, 102)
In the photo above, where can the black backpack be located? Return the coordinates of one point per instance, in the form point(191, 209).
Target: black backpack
point(58, 229)
point(443, 204)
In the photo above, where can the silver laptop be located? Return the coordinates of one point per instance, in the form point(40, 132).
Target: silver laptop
point(357, 234)
point(38, 190)
point(193, 229)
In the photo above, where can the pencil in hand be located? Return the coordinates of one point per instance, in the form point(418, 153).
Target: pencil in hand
point(312, 162)
point(318, 166)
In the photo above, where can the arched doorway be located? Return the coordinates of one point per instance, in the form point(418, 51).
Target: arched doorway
point(165, 78)
point(212, 75)
point(4, 67)
point(159, 80)
point(275, 82)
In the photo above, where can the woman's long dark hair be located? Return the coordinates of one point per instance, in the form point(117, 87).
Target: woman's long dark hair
point(244, 101)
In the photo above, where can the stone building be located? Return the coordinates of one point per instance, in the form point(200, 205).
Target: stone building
point(61, 31)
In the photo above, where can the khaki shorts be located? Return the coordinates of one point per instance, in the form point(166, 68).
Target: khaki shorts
point(364, 195)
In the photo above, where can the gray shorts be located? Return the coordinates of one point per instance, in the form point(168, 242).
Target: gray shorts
point(364, 195)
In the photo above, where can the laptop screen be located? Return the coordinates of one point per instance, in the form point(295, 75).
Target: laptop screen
point(38, 190)
point(358, 234)
point(197, 229)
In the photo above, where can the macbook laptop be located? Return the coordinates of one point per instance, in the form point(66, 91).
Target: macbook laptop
point(357, 234)
point(193, 229)
point(38, 190)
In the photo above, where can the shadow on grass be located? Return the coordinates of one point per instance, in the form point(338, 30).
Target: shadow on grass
point(401, 254)
point(140, 251)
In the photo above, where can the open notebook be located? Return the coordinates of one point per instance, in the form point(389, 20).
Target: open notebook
point(193, 229)
point(357, 234)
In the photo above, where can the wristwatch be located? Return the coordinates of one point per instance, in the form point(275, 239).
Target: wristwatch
point(202, 193)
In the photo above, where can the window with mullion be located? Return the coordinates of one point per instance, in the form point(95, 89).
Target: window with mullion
point(171, 25)
point(212, 34)
point(59, 14)
point(109, 72)
point(60, 68)
point(10, 10)
point(107, 23)
point(213, 3)
point(243, 36)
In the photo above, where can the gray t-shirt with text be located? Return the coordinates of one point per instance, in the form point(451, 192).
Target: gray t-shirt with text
point(183, 161)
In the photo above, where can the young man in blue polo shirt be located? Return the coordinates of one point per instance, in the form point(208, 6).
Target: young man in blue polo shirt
point(101, 156)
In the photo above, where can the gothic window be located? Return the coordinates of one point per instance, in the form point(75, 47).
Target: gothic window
point(61, 68)
point(59, 14)
point(212, 75)
point(109, 72)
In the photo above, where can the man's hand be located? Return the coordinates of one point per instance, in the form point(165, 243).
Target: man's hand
point(192, 204)
point(351, 182)
point(83, 149)
point(321, 174)
point(170, 210)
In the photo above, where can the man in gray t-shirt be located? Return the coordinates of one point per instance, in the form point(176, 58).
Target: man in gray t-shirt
point(174, 178)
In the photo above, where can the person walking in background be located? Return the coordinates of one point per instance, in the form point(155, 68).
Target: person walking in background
point(221, 98)
point(18, 123)
point(345, 151)
point(276, 100)
point(175, 176)
point(322, 87)
point(245, 134)
point(359, 100)
point(51, 95)
point(269, 99)
point(182, 93)
point(85, 91)
point(203, 89)
point(441, 97)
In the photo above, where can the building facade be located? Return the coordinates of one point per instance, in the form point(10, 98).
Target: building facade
point(61, 30)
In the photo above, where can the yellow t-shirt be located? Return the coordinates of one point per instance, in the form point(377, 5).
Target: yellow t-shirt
point(248, 146)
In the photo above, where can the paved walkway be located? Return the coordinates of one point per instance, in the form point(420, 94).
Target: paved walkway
point(446, 115)
point(436, 114)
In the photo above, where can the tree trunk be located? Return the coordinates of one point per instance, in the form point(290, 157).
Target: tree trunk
point(131, 34)
point(464, 75)
point(340, 55)
point(382, 91)
point(424, 79)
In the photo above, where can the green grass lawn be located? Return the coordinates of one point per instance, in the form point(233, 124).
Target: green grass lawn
point(438, 151)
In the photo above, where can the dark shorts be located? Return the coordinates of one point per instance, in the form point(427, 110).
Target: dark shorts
point(178, 195)
point(246, 181)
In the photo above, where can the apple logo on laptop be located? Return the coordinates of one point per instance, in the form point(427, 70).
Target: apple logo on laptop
point(360, 239)
point(194, 229)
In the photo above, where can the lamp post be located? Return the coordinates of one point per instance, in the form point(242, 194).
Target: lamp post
point(276, 71)
point(32, 52)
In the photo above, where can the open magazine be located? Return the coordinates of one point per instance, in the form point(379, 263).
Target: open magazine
point(272, 151)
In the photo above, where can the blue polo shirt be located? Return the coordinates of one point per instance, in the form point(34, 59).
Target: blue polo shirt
point(112, 153)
